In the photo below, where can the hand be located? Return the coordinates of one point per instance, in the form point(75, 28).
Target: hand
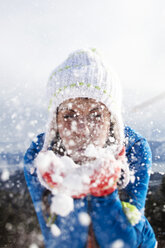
point(48, 165)
point(104, 180)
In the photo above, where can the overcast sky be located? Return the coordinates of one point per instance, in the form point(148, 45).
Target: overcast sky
point(37, 35)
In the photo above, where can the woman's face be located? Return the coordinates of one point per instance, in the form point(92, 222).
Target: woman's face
point(82, 121)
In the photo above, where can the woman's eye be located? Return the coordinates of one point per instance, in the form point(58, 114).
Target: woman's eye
point(67, 117)
point(95, 116)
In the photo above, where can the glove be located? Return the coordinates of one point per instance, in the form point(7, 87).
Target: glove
point(50, 169)
point(104, 180)
point(61, 175)
point(105, 177)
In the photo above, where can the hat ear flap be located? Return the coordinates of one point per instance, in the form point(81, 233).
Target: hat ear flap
point(51, 130)
point(116, 134)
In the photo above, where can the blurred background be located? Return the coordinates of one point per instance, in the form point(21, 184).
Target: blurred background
point(36, 36)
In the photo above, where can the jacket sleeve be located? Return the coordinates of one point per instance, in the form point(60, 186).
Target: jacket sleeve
point(35, 188)
point(140, 161)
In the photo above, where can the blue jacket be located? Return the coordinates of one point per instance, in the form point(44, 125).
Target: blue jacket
point(108, 218)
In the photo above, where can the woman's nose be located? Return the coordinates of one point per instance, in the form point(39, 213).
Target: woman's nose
point(83, 126)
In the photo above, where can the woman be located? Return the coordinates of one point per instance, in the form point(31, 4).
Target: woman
point(85, 112)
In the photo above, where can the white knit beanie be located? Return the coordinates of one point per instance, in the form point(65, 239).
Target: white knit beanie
point(83, 74)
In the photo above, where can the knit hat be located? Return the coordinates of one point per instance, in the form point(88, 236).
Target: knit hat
point(83, 74)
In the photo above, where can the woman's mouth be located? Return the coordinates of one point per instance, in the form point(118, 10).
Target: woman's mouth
point(81, 150)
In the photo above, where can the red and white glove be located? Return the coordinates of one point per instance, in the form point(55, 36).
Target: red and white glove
point(57, 173)
point(50, 169)
point(105, 178)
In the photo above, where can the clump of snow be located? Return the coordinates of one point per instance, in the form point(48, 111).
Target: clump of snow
point(14, 115)
point(71, 142)
point(55, 230)
point(118, 244)
point(15, 101)
point(132, 176)
point(33, 245)
point(84, 219)
point(45, 160)
point(5, 175)
point(18, 127)
point(98, 152)
point(71, 178)
point(33, 123)
point(62, 204)
point(74, 126)
point(9, 226)
point(66, 179)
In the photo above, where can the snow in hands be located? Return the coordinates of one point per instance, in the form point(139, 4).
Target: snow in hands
point(67, 179)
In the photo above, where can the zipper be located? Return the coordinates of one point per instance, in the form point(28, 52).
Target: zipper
point(91, 239)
